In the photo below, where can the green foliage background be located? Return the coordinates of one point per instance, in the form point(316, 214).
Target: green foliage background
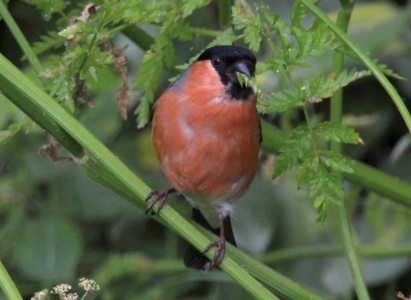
point(58, 225)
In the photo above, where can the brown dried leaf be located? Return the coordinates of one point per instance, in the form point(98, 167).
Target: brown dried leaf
point(120, 50)
point(123, 97)
point(81, 96)
point(51, 150)
point(88, 10)
point(107, 46)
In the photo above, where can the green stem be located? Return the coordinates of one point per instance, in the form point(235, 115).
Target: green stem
point(313, 137)
point(343, 20)
point(19, 37)
point(351, 255)
point(7, 285)
point(84, 296)
point(297, 253)
point(320, 251)
point(139, 37)
point(366, 60)
point(383, 251)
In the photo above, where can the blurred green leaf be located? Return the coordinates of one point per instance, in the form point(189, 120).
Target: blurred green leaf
point(49, 250)
point(228, 37)
point(50, 41)
point(298, 13)
point(6, 135)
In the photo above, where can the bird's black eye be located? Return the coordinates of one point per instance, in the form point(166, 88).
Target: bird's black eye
point(216, 61)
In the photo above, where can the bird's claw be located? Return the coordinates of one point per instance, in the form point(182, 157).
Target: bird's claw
point(218, 254)
point(157, 196)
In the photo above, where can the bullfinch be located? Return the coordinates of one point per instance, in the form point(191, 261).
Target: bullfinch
point(207, 135)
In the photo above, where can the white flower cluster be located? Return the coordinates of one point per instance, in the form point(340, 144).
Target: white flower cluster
point(89, 285)
point(62, 290)
point(40, 295)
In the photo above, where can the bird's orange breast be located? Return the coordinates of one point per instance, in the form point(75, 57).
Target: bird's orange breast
point(206, 142)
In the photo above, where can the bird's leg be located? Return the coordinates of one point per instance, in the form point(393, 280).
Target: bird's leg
point(219, 244)
point(158, 196)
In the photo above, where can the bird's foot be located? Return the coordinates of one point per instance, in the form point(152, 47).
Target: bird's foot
point(158, 196)
point(218, 254)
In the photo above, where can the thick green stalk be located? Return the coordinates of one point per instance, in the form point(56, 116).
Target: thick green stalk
point(343, 20)
point(7, 285)
point(19, 37)
point(379, 75)
point(383, 251)
point(99, 160)
point(382, 183)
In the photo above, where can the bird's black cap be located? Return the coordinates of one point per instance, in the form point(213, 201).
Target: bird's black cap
point(227, 60)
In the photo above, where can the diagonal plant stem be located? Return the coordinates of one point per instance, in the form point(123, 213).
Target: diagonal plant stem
point(19, 37)
point(7, 285)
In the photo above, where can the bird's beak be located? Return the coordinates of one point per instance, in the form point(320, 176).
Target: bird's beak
point(241, 67)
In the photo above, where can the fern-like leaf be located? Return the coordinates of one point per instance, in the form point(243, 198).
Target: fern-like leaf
point(244, 19)
point(190, 5)
point(147, 78)
point(50, 41)
point(312, 91)
point(317, 169)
